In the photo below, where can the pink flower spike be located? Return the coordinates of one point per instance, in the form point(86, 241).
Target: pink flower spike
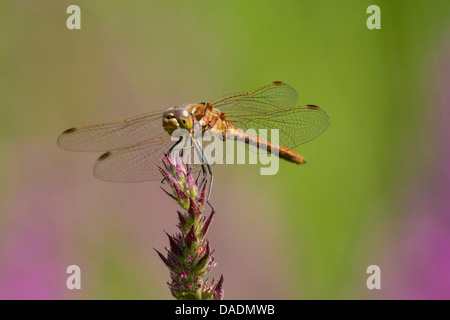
point(189, 256)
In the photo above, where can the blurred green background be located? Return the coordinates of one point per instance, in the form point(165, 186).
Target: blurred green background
point(308, 232)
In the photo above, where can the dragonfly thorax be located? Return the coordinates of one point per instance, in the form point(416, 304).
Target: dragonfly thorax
point(176, 118)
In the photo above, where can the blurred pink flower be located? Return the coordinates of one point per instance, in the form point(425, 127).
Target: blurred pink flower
point(30, 244)
point(423, 251)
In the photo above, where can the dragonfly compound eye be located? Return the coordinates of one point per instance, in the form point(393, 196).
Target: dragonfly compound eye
point(185, 122)
point(175, 118)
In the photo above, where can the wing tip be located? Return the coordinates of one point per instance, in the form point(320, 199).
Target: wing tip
point(60, 141)
point(104, 156)
point(71, 130)
point(314, 107)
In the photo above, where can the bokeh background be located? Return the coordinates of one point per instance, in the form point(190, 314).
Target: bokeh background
point(375, 189)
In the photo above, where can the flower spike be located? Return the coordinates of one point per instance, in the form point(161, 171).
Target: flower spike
point(189, 256)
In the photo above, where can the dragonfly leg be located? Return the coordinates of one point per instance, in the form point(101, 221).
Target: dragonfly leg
point(194, 167)
point(210, 186)
point(186, 148)
point(172, 147)
point(206, 168)
point(205, 174)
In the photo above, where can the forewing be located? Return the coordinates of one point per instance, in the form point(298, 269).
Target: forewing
point(112, 135)
point(267, 98)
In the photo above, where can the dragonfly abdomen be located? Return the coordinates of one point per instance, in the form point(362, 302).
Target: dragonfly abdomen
point(283, 152)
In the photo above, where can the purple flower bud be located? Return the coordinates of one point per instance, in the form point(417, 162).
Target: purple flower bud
point(163, 172)
point(180, 169)
point(164, 259)
point(218, 291)
point(206, 224)
point(181, 218)
point(205, 259)
point(174, 246)
point(191, 185)
point(173, 260)
point(194, 211)
point(201, 198)
point(175, 184)
point(170, 195)
point(190, 237)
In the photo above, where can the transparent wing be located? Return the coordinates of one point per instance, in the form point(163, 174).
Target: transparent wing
point(134, 163)
point(296, 125)
point(269, 97)
point(273, 107)
point(111, 135)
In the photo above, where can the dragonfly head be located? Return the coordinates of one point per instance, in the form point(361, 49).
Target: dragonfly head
point(176, 118)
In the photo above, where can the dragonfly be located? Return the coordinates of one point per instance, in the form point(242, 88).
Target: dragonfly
point(133, 147)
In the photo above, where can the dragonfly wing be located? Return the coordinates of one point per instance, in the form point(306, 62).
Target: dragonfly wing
point(112, 135)
point(267, 98)
point(273, 107)
point(134, 163)
point(296, 125)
